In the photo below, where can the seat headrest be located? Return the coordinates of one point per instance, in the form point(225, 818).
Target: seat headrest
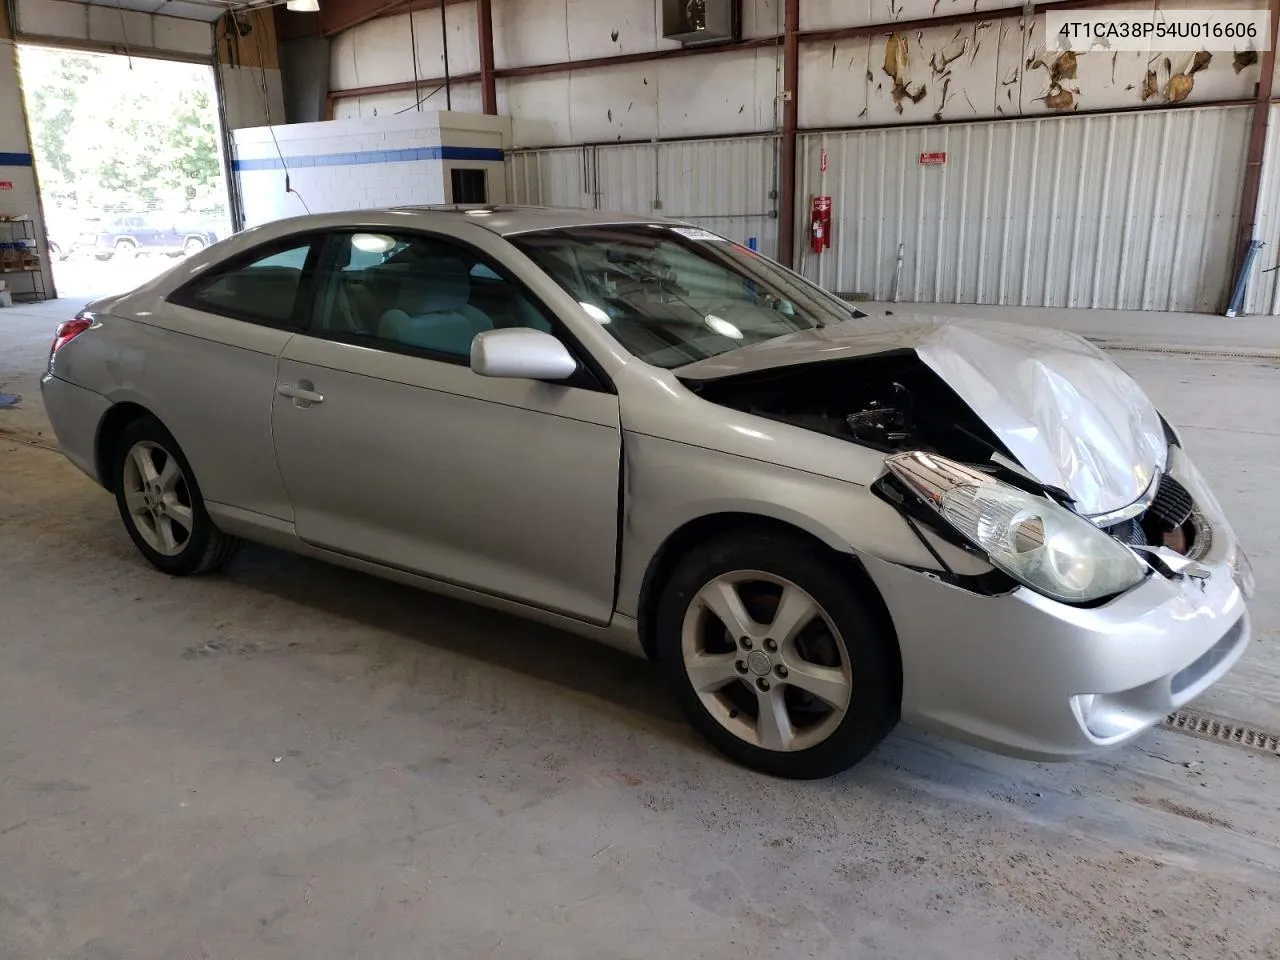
point(435, 286)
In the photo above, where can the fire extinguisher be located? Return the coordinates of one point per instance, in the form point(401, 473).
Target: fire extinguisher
point(820, 223)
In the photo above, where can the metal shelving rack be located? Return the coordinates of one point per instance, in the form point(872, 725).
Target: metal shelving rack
point(20, 256)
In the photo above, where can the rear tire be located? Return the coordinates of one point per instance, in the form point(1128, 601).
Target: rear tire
point(124, 249)
point(193, 245)
point(776, 655)
point(161, 505)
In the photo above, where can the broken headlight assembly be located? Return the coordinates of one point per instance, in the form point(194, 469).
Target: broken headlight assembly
point(1035, 541)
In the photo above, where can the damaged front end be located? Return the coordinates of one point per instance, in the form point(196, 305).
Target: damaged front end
point(975, 487)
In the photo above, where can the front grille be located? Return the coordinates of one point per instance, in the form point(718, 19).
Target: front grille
point(1130, 532)
point(1172, 505)
point(1170, 510)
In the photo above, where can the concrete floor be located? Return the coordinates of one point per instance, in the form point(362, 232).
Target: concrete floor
point(289, 760)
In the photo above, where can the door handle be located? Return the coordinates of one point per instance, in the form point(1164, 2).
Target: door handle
point(302, 393)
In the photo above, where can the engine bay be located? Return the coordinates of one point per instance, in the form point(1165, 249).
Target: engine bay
point(889, 402)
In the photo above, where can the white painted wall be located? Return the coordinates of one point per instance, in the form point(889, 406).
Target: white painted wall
point(16, 168)
point(363, 163)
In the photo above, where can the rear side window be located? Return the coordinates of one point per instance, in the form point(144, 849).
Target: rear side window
point(263, 289)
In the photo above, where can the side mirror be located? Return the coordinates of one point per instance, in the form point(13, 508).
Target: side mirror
point(521, 353)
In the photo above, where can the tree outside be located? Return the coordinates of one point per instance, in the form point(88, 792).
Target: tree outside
point(115, 135)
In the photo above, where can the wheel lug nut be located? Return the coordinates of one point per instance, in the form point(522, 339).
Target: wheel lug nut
point(741, 666)
point(780, 670)
point(762, 683)
point(771, 644)
point(746, 643)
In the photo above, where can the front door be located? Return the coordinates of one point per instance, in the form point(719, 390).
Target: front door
point(392, 450)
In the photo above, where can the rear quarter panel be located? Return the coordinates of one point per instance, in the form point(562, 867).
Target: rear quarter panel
point(209, 380)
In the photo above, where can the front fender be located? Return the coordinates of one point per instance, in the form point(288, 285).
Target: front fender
point(670, 484)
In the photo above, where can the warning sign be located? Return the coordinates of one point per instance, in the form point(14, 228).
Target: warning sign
point(933, 159)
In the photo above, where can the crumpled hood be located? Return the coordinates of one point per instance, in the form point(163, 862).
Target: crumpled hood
point(1071, 417)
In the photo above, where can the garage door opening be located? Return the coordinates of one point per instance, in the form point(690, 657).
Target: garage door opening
point(129, 159)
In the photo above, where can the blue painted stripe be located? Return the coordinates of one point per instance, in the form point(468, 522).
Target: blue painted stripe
point(479, 154)
point(15, 159)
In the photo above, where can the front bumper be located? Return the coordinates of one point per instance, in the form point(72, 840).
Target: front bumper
point(1025, 675)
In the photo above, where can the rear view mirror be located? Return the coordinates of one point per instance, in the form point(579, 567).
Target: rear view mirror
point(521, 353)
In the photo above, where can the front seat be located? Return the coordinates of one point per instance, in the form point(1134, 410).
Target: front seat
point(433, 311)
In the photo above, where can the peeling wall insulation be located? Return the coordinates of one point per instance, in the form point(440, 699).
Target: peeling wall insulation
point(1122, 211)
point(984, 70)
point(1000, 68)
point(722, 185)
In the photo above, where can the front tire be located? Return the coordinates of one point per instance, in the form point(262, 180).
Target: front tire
point(124, 249)
point(192, 246)
point(161, 505)
point(776, 655)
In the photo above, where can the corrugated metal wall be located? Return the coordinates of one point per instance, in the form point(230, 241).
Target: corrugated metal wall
point(1123, 211)
point(1264, 289)
point(722, 184)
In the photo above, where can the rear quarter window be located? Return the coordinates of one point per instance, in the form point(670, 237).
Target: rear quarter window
point(263, 289)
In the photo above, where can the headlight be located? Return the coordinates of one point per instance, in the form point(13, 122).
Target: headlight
point(1034, 540)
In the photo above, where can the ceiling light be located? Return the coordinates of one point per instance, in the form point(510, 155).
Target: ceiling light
point(723, 327)
point(372, 242)
point(302, 6)
point(594, 312)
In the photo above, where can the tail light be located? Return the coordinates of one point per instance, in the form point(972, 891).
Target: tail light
point(68, 330)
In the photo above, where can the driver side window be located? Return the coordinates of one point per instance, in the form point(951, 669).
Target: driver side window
point(414, 293)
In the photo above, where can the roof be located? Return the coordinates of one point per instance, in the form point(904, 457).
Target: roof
point(508, 219)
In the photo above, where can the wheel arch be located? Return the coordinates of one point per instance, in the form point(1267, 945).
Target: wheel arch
point(726, 523)
point(110, 427)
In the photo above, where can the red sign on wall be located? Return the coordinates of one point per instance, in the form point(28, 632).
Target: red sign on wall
point(6, 184)
point(933, 159)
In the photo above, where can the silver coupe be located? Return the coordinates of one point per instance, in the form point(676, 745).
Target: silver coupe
point(819, 522)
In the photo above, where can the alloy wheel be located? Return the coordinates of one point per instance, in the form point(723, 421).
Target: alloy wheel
point(158, 498)
point(766, 661)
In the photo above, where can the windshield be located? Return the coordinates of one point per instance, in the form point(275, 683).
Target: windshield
point(673, 295)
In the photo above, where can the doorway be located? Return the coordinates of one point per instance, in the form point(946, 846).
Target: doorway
point(128, 154)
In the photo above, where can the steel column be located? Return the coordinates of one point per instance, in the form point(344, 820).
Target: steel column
point(488, 83)
point(787, 150)
point(1257, 147)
